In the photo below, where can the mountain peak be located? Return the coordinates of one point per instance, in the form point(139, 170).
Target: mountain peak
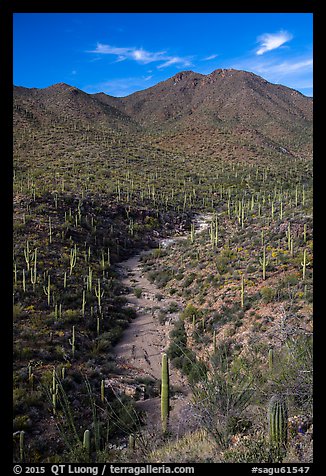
point(62, 87)
point(185, 75)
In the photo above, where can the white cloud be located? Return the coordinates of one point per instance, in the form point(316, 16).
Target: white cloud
point(120, 87)
point(175, 60)
point(292, 72)
point(284, 68)
point(208, 58)
point(140, 55)
point(271, 41)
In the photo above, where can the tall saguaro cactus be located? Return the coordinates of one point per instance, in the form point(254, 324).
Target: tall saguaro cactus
point(242, 291)
point(304, 264)
point(264, 262)
point(87, 442)
point(72, 341)
point(21, 445)
point(271, 359)
point(99, 294)
point(278, 426)
point(165, 403)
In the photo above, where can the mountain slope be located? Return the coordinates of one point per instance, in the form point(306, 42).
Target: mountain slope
point(226, 114)
point(237, 102)
point(62, 102)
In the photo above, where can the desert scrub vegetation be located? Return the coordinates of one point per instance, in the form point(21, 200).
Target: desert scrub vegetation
point(86, 198)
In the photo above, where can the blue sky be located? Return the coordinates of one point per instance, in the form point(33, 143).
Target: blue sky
point(119, 53)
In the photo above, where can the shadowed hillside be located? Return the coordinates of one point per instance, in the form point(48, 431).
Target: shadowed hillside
point(176, 220)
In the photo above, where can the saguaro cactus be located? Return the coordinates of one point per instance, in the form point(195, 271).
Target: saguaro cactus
point(192, 233)
point(99, 294)
point(165, 403)
point(72, 341)
point(242, 291)
point(271, 359)
point(54, 392)
point(264, 262)
point(304, 264)
point(34, 271)
point(102, 390)
point(278, 426)
point(87, 442)
point(73, 258)
point(21, 446)
point(83, 303)
point(47, 290)
point(131, 442)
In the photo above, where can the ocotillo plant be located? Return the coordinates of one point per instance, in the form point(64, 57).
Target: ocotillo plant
point(165, 397)
point(278, 426)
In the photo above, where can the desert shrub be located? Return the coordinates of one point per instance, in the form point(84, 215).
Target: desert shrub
point(222, 399)
point(249, 449)
point(177, 346)
point(267, 294)
point(18, 311)
point(190, 311)
point(173, 307)
point(138, 292)
point(160, 278)
point(22, 422)
point(222, 264)
point(293, 372)
point(189, 280)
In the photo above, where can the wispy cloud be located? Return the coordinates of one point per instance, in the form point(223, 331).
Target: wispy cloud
point(175, 60)
point(293, 71)
point(271, 41)
point(140, 55)
point(285, 67)
point(211, 57)
point(120, 87)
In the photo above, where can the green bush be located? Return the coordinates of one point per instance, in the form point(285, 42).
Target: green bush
point(138, 292)
point(249, 449)
point(267, 294)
